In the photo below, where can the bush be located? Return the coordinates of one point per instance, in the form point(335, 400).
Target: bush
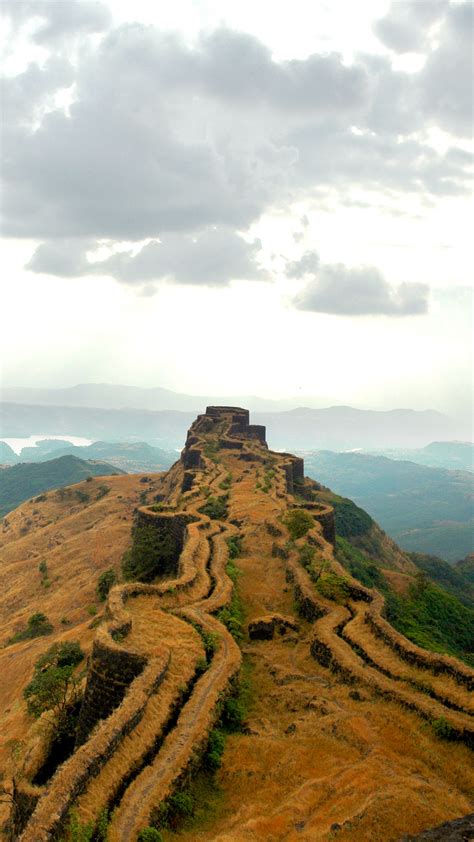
point(298, 522)
point(333, 587)
point(38, 625)
point(306, 554)
point(214, 751)
point(103, 490)
point(150, 834)
point(443, 729)
point(105, 582)
point(82, 496)
point(234, 544)
point(215, 508)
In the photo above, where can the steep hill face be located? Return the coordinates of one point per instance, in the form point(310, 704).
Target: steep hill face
point(232, 577)
point(19, 482)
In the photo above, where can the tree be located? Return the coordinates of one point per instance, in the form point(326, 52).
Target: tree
point(54, 687)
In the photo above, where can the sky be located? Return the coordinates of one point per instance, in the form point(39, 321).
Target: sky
point(239, 198)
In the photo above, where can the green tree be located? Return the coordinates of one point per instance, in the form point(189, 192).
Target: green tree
point(54, 686)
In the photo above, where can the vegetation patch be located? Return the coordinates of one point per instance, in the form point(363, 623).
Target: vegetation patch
point(38, 625)
point(358, 565)
point(351, 521)
point(433, 619)
point(226, 483)
point(333, 586)
point(215, 507)
point(105, 582)
point(298, 522)
point(234, 544)
point(152, 553)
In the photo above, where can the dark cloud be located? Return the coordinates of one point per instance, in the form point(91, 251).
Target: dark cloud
point(405, 27)
point(214, 258)
point(362, 291)
point(163, 138)
point(58, 19)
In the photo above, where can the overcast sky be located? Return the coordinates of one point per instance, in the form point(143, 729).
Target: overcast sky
point(224, 196)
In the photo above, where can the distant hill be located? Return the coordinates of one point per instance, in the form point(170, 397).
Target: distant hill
point(20, 482)
point(109, 396)
point(7, 454)
point(333, 428)
point(426, 510)
point(450, 577)
point(455, 455)
point(466, 568)
point(132, 457)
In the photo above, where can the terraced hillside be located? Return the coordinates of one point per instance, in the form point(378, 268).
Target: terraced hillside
point(352, 732)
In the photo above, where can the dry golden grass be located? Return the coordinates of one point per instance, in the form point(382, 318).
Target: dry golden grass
point(319, 759)
point(79, 543)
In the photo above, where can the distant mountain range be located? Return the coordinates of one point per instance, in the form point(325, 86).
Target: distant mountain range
point(20, 482)
point(333, 428)
point(425, 510)
point(109, 396)
point(456, 455)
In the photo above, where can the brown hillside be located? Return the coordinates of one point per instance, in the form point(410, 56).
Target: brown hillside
point(340, 739)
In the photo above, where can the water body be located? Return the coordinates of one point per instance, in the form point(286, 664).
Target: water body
point(31, 441)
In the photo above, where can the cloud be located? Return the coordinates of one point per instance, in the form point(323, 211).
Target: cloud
point(404, 28)
point(307, 264)
point(213, 258)
point(57, 19)
point(360, 291)
point(446, 79)
point(63, 258)
point(163, 138)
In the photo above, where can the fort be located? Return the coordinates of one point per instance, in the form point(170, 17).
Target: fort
point(149, 704)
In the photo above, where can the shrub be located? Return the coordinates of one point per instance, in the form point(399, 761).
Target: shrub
point(215, 508)
point(443, 729)
point(150, 834)
point(234, 544)
point(38, 625)
point(226, 483)
point(43, 568)
point(105, 582)
point(103, 490)
point(214, 751)
point(82, 496)
point(306, 555)
point(333, 587)
point(298, 522)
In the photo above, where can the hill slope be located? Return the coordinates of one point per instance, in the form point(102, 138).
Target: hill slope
point(20, 482)
point(242, 684)
point(427, 510)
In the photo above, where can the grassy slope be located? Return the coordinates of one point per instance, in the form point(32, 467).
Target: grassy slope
point(428, 610)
